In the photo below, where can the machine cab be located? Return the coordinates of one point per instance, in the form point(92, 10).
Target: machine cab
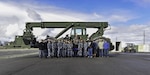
point(78, 33)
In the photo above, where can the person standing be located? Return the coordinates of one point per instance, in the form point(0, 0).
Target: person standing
point(41, 50)
point(60, 46)
point(75, 48)
point(85, 46)
point(69, 49)
point(80, 48)
point(55, 46)
point(94, 46)
point(97, 48)
point(90, 51)
point(64, 50)
point(100, 46)
point(106, 47)
point(45, 48)
point(50, 48)
point(53, 49)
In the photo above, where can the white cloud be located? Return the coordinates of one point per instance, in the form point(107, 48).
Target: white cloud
point(119, 18)
point(13, 23)
point(33, 15)
point(13, 29)
point(133, 33)
point(97, 15)
point(47, 16)
point(143, 3)
point(114, 16)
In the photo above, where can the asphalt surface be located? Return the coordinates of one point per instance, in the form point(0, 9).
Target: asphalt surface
point(13, 53)
point(117, 64)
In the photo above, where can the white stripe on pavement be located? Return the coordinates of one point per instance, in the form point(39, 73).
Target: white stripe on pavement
point(18, 55)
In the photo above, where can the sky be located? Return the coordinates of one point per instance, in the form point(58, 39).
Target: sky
point(128, 19)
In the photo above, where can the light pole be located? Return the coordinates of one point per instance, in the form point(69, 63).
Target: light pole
point(144, 37)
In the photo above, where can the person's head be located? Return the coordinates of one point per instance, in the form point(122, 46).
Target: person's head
point(90, 45)
point(68, 41)
point(49, 40)
point(105, 41)
point(67, 35)
point(42, 40)
point(56, 40)
point(101, 40)
point(45, 40)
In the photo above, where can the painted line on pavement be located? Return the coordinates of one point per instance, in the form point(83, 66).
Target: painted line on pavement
point(17, 55)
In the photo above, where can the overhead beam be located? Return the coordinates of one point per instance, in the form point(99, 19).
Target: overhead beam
point(30, 25)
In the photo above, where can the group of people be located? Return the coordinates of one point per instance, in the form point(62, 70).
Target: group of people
point(73, 48)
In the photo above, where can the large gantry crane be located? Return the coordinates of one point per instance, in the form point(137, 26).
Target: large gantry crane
point(78, 28)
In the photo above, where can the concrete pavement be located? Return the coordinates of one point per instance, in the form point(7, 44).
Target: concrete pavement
point(13, 53)
point(117, 64)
